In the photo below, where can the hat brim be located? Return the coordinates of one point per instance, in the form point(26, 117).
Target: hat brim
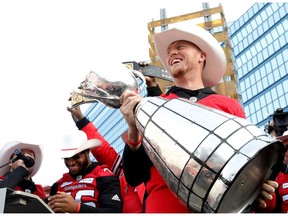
point(8, 149)
point(88, 144)
point(215, 57)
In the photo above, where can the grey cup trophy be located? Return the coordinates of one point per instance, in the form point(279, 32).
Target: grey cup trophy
point(106, 86)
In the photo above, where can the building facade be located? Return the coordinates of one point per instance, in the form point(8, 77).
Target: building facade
point(259, 42)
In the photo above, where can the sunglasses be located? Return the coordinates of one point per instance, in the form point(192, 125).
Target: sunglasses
point(77, 156)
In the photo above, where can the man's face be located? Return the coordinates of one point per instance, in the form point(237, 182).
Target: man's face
point(183, 57)
point(77, 163)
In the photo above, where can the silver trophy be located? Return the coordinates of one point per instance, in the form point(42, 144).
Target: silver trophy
point(213, 161)
point(106, 86)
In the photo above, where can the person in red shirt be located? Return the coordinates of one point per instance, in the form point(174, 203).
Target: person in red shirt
point(196, 62)
point(105, 154)
point(279, 203)
point(18, 175)
point(88, 187)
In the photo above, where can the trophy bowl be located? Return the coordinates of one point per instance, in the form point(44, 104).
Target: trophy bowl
point(106, 86)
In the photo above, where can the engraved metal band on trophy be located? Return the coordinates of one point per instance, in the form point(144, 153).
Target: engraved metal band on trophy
point(150, 70)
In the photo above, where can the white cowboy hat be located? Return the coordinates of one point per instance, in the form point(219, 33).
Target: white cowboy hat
point(215, 60)
point(8, 149)
point(73, 144)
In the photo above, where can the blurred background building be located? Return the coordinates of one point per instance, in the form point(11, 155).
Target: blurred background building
point(257, 68)
point(259, 40)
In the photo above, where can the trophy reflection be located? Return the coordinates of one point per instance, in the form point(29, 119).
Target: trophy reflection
point(106, 87)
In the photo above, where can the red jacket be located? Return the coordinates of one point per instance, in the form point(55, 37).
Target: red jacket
point(279, 203)
point(131, 197)
point(94, 189)
point(282, 180)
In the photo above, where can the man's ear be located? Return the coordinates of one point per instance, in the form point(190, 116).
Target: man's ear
point(203, 59)
point(203, 56)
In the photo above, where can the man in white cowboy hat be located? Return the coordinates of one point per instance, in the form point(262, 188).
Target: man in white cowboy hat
point(105, 154)
point(88, 186)
point(18, 174)
point(196, 62)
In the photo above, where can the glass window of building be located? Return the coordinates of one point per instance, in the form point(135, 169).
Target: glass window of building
point(259, 86)
point(258, 47)
point(263, 15)
point(268, 97)
point(259, 116)
point(280, 90)
point(276, 16)
point(276, 45)
point(283, 101)
point(270, 78)
point(255, 61)
point(249, 93)
point(270, 21)
point(260, 57)
point(274, 34)
point(254, 89)
point(262, 100)
point(265, 53)
point(257, 104)
point(285, 24)
point(274, 64)
point(263, 42)
point(268, 68)
point(280, 29)
point(276, 104)
point(265, 25)
point(249, 65)
point(271, 50)
point(274, 7)
point(282, 11)
point(269, 11)
point(265, 82)
point(282, 40)
point(253, 51)
point(282, 70)
point(279, 59)
point(269, 38)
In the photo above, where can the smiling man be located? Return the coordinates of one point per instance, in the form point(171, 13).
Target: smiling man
point(88, 186)
point(196, 62)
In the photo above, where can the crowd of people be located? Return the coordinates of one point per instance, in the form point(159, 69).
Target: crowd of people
point(131, 183)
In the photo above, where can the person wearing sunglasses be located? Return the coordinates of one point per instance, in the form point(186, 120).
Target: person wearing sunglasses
point(87, 187)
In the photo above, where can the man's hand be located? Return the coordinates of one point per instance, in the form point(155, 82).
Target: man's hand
point(150, 81)
point(129, 100)
point(76, 113)
point(62, 203)
point(268, 188)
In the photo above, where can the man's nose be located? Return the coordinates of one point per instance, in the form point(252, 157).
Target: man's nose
point(173, 52)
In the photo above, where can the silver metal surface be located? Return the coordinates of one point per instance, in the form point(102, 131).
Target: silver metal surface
point(213, 161)
point(106, 87)
point(150, 70)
